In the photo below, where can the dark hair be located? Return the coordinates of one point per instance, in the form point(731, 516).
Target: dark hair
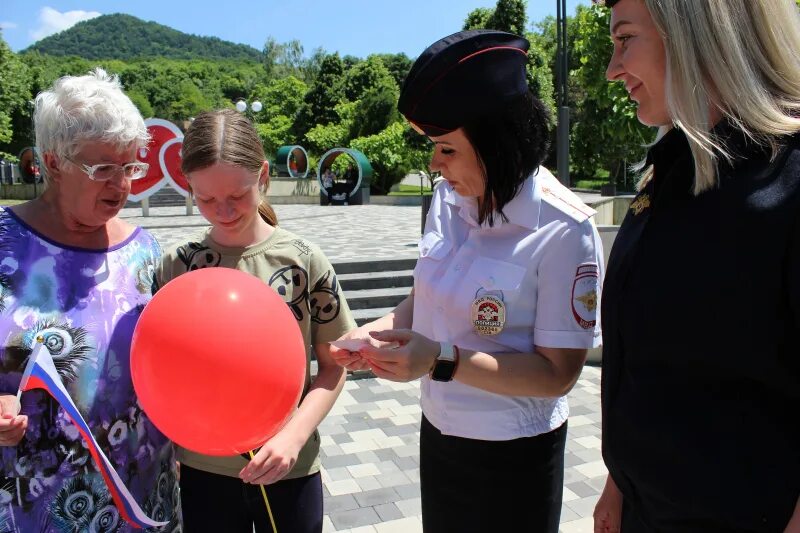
point(226, 136)
point(510, 143)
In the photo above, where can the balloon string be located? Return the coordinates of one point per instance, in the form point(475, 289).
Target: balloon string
point(266, 501)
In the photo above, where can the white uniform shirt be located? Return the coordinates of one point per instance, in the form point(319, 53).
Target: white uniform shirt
point(544, 263)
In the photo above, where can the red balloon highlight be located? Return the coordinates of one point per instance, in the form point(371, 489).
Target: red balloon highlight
point(218, 361)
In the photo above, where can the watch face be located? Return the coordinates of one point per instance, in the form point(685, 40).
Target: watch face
point(443, 371)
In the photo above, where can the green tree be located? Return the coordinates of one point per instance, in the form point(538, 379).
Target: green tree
point(14, 91)
point(275, 133)
point(390, 156)
point(280, 97)
point(509, 16)
point(141, 103)
point(321, 99)
point(323, 137)
point(311, 66)
point(478, 18)
point(189, 102)
point(605, 133)
point(369, 74)
point(282, 59)
point(398, 65)
point(375, 111)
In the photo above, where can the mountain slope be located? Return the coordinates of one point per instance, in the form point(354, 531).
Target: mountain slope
point(120, 36)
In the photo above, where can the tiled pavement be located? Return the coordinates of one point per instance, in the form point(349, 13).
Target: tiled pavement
point(370, 440)
point(370, 457)
point(345, 233)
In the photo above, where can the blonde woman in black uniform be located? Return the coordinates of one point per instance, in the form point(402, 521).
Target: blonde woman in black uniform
point(701, 310)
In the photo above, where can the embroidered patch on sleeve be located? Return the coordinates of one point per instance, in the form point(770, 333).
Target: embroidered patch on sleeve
point(584, 295)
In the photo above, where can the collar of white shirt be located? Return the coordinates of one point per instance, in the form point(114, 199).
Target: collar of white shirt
point(523, 210)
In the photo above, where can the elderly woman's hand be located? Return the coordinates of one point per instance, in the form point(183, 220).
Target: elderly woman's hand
point(12, 424)
point(411, 357)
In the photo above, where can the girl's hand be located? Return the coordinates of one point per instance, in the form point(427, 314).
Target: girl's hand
point(273, 461)
point(12, 424)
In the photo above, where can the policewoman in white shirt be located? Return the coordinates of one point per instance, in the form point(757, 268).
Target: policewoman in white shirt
point(505, 298)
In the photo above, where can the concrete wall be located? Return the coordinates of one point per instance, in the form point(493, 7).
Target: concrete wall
point(294, 187)
point(20, 191)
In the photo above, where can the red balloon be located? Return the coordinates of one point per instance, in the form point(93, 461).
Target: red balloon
point(218, 361)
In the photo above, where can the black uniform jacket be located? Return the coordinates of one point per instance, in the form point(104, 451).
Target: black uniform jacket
point(701, 330)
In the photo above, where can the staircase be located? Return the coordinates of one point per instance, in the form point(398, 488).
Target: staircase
point(373, 288)
point(164, 197)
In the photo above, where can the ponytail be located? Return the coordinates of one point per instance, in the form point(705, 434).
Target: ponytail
point(267, 213)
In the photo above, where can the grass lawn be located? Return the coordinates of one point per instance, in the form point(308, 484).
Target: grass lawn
point(4, 201)
point(409, 190)
point(590, 184)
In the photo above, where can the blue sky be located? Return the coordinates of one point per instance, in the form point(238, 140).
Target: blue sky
point(356, 27)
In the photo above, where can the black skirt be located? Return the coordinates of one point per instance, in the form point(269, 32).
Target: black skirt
point(473, 485)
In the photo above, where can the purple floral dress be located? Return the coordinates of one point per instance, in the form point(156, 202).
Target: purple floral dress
point(85, 304)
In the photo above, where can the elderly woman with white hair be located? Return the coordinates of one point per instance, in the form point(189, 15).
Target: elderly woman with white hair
point(76, 276)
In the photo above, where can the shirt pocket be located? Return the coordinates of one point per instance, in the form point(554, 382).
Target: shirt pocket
point(433, 248)
point(492, 277)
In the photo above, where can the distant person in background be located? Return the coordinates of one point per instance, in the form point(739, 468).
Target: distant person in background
point(327, 179)
point(701, 309)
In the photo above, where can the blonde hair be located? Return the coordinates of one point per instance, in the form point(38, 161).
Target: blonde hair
point(739, 56)
point(226, 136)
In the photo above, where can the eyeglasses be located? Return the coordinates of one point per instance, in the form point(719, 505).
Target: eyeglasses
point(109, 171)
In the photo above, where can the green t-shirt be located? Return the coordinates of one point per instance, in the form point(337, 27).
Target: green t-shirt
point(300, 273)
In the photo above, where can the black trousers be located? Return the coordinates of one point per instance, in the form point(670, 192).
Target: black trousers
point(222, 504)
point(491, 486)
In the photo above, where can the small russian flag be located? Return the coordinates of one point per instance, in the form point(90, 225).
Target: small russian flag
point(40, 373)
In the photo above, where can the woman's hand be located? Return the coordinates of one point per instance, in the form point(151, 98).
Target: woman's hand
point(608, 511)
point(12, 424)
point(347, 358)
point(413, 356)
point(273, 461)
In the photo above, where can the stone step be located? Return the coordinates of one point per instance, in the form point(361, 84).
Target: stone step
point(376, 280)
point(370, 266)
point(372, 298)
point(162, 198)
point(362, 316)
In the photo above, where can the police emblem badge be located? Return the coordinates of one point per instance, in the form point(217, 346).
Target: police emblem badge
point(640, 204)
point(584, 295)
point(488, 314)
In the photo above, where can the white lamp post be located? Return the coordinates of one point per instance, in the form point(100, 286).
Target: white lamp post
point(255, 107)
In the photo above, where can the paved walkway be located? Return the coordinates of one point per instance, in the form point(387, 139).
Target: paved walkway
point(345, 233)
point(370, 440)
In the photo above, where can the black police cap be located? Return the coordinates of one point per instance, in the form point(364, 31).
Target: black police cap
point(461, 77)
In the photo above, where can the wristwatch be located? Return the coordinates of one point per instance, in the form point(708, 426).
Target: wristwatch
point(444, 368)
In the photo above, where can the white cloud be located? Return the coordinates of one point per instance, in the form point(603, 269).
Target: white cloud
point(4, 25)
point(52, 21)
